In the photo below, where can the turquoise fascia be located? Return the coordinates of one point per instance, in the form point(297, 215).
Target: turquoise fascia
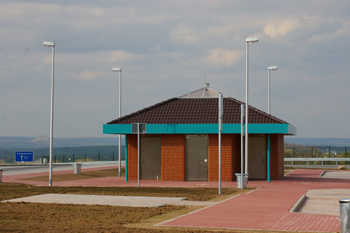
point(268, 158)
point(126, 159)
point(202, 129)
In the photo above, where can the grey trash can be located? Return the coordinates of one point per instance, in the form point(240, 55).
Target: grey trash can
point(77, 168)
point(0, 175)
point(344, 215)
point(239, 180)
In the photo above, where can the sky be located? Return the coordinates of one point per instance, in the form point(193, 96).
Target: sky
point(167, 49)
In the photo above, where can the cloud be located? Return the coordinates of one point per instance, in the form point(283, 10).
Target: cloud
point(222, 57)
point(89, 75)
point(121, 56)
point(184, 35)
point(164, 48)
point(280, 29)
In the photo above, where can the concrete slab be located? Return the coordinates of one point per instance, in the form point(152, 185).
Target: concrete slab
point(323, 201)
point(336, 174)
point(131, 201)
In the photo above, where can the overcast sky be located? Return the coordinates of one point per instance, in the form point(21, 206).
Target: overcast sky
point(164, 49)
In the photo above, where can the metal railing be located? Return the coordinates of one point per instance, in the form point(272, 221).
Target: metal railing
point(307, 160)
point(316, 155)
point(82, 157)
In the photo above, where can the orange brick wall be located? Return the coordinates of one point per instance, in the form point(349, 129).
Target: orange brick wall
point(226, 157)
point(132, 156)
point(277, 156)
point(173, 157)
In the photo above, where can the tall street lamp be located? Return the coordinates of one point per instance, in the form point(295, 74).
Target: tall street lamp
point(51, 44)
point(269, 88)
point(248, 40)
point(120, 112)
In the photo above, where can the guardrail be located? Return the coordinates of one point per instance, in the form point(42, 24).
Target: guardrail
point(336, 160)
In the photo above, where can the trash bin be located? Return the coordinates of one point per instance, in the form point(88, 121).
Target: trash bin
point(77, 168)
point(0, 175)
point(344, 215)
point(239, 180)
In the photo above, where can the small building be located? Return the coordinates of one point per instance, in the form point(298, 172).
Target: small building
point(181, 140)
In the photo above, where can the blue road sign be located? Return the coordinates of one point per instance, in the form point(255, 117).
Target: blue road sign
point(24, 156)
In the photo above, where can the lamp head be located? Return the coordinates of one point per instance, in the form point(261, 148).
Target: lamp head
point(273, 68)
point(117, 69)
point(252, 40)
point(49, 44)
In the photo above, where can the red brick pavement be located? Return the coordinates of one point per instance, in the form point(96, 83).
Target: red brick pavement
point(267, 207)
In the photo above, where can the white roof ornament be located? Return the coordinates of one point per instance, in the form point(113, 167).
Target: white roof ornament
point(202, 93)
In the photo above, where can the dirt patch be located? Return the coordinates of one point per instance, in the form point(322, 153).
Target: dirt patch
point(30, 217)
point(83, 176)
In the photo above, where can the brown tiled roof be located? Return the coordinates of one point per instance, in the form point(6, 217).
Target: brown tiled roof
point(195, 111)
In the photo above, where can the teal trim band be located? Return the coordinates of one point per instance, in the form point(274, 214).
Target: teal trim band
point(113, 128)
point(202, 129)
point(126, 158)
point(268, 158)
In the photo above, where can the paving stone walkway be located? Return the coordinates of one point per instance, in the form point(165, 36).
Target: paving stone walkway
point(268, 207)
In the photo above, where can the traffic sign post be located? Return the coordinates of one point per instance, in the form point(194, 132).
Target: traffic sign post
point(24, 156)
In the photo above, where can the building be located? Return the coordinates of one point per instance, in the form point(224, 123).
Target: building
point(181, 140)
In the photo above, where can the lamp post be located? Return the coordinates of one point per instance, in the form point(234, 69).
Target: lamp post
point(51, 44)
point(248, 40)
point(120, 111)
point(269, 89)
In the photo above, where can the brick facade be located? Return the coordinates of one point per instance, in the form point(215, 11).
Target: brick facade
point(173, 157)
point(277, 156)
point(226, 157)
point(132, 156)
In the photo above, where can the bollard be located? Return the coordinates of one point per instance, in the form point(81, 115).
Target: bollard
point(344, 215)
point(0, 175)
point(77, 168)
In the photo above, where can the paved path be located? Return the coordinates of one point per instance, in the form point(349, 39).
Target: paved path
point(267, 207)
